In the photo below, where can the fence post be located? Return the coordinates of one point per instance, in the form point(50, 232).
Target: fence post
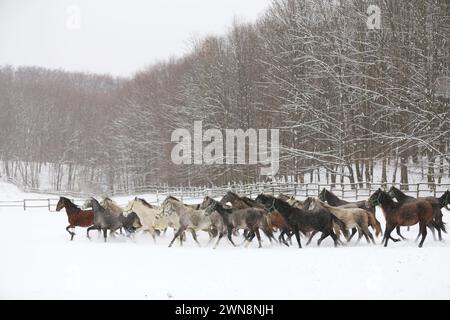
point(418, 190)
point(24, 205)
point(157, 196)
point(356, 193)
point(48, 204)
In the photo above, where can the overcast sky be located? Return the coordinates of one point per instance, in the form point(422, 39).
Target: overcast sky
point(111, 36)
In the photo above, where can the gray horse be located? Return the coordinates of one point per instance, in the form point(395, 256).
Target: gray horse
point(104, 219)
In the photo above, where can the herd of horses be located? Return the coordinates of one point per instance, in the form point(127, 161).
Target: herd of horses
point(282, 216)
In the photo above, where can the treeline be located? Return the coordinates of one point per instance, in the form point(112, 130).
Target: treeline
point(344, 98)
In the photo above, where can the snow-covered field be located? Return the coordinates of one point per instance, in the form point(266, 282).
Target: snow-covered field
point(39, 262)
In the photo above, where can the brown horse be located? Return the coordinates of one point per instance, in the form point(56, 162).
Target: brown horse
point(76, 216)
point(406, 214)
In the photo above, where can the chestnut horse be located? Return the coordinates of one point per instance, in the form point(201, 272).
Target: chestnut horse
point(76, 216)
point(406, 214)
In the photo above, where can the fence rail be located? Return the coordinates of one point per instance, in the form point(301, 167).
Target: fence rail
point(158, 193)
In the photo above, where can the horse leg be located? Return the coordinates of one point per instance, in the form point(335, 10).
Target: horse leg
point(105, 233)
point(70, 232)
point(230, 233)
point(259, 237)
point(387, 234)
point(368, 235)
point(281, 238)
point(400, 235)
point(222, 233)
point(250, 238)
point(311, 237)
point(297, 236)
point(335, 238)
point(431, 226)
point(177, 234)
point(194, 235)
point(354, 230)
point(323, 236)
point(423, 228)
point(89, 229)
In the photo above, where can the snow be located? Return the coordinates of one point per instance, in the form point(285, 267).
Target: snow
point(39, 262)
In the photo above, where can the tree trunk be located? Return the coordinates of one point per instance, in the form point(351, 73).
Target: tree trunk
point(383, 174)
point(351, 176)
point(359, 175)
point(404, 173)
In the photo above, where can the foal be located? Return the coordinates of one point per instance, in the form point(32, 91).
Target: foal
point(406, 214)
point(76, 216)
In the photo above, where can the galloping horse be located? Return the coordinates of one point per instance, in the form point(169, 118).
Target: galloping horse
point(130, 221)
point(334, 201)
point(301, 220)
point(146, 213)
point(437, 203)
point(76, 216)
point(234, 218)
point(352, 217)
point(406, 214)
point(104, 219)
point(274, 220)
point(189, 218)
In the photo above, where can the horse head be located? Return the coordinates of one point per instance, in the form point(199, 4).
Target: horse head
point(374, 198)
point(447, 200)
point(323, 195)
point(61, 203)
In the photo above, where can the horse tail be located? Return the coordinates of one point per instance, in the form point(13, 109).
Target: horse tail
point(340, 223)
point(374, 223)
point(267, 223)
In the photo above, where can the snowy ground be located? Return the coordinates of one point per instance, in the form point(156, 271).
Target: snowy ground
point(39, 262)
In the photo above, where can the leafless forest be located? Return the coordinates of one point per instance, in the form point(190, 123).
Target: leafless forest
point(344, 97)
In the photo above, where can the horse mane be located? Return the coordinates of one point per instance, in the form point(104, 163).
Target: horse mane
point(250, 202)
point(387, 197)
point(145, 203)
point(332, 195)
point(68, 203)
point(400, 195)
point(173, 198)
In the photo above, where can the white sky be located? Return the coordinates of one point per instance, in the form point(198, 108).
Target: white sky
point(114, 36)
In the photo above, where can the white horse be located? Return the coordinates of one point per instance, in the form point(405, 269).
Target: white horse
point(188, 218)
point(146, 213)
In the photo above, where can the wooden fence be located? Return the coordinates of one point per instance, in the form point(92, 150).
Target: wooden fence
point(159, 193)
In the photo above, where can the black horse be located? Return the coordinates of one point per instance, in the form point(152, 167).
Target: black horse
point(437, 204)
point(301, 220)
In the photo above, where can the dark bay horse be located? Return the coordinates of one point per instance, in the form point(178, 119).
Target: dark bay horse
point(406, 214)
point(437, 203)
point(301, 220)
point(333, 200)
point(76, 216)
